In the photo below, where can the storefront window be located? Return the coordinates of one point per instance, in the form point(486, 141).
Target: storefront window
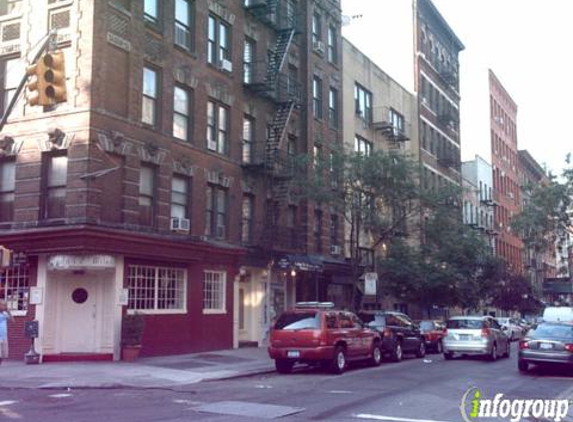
point(157, 289)
point(15, 288)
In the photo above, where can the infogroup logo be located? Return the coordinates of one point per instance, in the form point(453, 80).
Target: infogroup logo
point(474, 406)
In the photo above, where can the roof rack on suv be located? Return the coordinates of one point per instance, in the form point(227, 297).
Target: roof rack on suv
point(323, 305)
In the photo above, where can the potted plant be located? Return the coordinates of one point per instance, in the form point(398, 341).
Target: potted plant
point(132, 327)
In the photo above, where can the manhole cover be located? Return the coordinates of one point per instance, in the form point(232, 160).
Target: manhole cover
point(252, 410)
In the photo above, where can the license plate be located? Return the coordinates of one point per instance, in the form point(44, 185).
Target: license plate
point(464, 336)
point(293, 354)
point(545, 346)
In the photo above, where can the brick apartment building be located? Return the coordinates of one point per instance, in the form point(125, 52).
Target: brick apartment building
point(161, 185)
point(505, 166)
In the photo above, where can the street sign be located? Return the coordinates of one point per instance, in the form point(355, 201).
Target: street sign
point(370, 282)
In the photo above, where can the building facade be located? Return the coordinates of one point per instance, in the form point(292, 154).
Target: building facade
point(159, 186)
point(378, 114)
point(505, 166)
point(478, 205)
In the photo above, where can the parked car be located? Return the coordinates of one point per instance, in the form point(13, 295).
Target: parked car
point(315, 333)
point(475, 335)
point(550, 342)
point(399, 333)
point(433, 332)
point(511, 327)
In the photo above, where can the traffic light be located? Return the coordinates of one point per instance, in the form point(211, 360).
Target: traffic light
point(54, 77)
point(37, 85)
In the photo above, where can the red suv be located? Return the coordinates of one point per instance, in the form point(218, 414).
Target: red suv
point(314, 333)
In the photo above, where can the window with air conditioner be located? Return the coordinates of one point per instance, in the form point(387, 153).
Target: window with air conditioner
point(217, 127)
point(180, 204)
point(219, 43)
point(183, 21)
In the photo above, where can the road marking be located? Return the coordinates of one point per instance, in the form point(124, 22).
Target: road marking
point(7, 402)
point(9, 414)
point(340, 392)
point(60, 396)
point(391, 418)
point(263, 386)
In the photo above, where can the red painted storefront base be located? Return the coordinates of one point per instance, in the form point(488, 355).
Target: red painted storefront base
point(78, 357)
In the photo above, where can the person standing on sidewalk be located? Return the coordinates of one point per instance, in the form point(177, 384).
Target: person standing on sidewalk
point(5, 316)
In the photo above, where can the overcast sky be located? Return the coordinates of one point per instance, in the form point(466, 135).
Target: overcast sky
point(527, 43)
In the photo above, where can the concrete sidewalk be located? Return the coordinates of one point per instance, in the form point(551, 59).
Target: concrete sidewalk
point(157, 372)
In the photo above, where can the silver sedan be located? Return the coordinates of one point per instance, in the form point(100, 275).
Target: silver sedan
point(475, 335)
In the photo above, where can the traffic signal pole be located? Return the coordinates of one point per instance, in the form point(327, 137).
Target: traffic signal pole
point(45, 45)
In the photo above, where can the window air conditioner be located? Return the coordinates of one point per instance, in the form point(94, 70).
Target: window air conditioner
point(318, 46)
point(181, 225)
point(226, 65)
point(335, 249)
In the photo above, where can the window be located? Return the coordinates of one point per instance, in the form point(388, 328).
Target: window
point(180, 197)
point(248, 59)
point(214, 292)
point(183, 24)
point(316, 28)
point(217, 127)
point(318, 230)
point(247, 219)
point(216, 212)
point(157, 289)
point(181, 113)
point(333, 107)
point(219, 41)
point(56, 177)
point(316, 155)
point(146, 194)
point(11, 73)
point(362, 146)
point(150, 96)
point(151, 11)
point(7, 187)
point(317, 97)
point(248, 128)
point(363, 103)
point(333, 229)
point(397, 121)
point(332, 48)
point(15, 288)
point(10, 6)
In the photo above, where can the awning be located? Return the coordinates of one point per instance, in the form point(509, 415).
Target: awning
point(301, 263)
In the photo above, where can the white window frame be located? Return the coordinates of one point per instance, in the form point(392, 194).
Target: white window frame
point(181, 116)
point(182, 28)
point(222, 291)
point(156, 310)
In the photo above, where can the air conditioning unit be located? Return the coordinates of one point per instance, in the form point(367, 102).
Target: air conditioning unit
point(226, 65)
point(212, 144)
point(335, 249)
point(181, 225)
point(318, 46)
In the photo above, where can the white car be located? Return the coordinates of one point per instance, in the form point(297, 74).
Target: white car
point(511, 328)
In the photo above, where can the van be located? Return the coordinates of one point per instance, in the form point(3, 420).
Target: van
point(558, 314)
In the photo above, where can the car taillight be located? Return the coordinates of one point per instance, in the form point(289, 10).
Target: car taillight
point(569, 347)
point(525, 345)
point(387, 333)
point(485, 332)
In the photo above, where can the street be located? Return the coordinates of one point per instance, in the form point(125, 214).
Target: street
point(429, 389)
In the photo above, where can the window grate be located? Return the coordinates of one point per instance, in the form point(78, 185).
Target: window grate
point(15, 288)
point(11, 32)
point(60, 20)
point(214, 287)
point(156, 288)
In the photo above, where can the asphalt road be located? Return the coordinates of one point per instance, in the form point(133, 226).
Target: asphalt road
point(429, 389)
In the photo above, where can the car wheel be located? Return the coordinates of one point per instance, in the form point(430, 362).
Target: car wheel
point(421, 352)
point(439, 347)
point(283, 366)
point(493, 353)
point(376, 357)
point(338, 363)
point(396, 354)
point(448, 356)
point(522, 365)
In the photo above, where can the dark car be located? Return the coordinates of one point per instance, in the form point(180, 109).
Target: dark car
point(549, 342)
point(314, 333)
point(399, 333)
point(434, 332)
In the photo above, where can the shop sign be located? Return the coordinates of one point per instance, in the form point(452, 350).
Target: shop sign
point(370, 281)
point(80, 262)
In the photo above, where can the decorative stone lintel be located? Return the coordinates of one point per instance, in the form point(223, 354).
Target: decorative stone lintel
point(151, 153)
point(57, 140)
point(114, 143)
point(218, 178)
point(184, 165)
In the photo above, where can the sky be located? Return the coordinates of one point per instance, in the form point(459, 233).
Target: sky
point(527, 44)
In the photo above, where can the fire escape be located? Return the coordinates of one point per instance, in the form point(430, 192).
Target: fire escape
point(268, 80)
point(391, 125)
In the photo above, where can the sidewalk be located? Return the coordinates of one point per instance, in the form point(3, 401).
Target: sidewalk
point(156, 372)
